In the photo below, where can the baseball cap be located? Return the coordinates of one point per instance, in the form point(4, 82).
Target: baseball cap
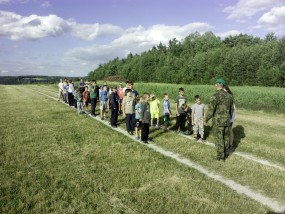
point(221, 81)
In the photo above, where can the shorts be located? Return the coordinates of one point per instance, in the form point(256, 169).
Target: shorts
point(154, 115)
point(103, 105)
point(138, 123)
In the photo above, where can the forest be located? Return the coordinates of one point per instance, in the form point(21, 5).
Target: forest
point(242, 60)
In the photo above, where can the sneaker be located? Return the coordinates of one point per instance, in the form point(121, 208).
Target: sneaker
point(157, 126)
point(196, 138)
point(137, 138)
point(114, 126)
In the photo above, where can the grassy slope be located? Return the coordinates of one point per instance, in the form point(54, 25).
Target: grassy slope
point(51, 161)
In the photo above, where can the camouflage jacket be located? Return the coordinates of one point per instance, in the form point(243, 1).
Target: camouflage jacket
point(220, 108)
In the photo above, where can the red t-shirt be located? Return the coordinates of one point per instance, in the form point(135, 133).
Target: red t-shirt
point(121, 93)
point(86, 96)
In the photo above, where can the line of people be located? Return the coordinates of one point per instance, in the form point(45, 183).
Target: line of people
point(140, 112)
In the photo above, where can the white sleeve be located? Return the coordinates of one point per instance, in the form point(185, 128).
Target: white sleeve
point(234, 114)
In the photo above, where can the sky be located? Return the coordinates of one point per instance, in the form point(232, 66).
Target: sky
point(73, 37)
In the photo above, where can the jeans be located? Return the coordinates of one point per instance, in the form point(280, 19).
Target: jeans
point(130, 122)
point(93, 105)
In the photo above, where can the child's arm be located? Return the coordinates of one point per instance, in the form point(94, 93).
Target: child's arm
point(192, 116)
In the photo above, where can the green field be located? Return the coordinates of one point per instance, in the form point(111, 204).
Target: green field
point(54, 160)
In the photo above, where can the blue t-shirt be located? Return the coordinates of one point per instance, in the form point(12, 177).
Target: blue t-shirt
point(166, 106)
point(138, 111)
point(104, 96)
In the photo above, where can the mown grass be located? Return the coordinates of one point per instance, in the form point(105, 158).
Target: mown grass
point(54, 160)
point(257, 133)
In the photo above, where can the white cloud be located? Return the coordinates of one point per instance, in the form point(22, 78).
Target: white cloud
point(273, 20)
point(33, 27)
point(248, 8)
point(92, 31)
point(4, 72)
point(134, 40)
point(4, 1)
point(228, 33)
point(46, 4)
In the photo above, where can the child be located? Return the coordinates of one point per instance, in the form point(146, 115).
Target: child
point(114, 106)
point(188, 112)
point(166, 111)
point(86, 98)
point(154, 110)
point(121, 96)
point(180, 111)
point(138, 116)
point(79, 98)
point(198, 118)
point(104, 102)
point(129, 111)
point(145, 118)
point(94, 94)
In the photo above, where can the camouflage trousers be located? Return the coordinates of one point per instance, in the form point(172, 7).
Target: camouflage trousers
point(198, 127)
point(222, 140)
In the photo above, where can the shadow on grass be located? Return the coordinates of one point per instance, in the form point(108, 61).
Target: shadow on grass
point(271, 212)
point(239, 134)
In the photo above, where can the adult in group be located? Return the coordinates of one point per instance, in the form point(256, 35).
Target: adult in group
point(60, 90)
point(94, 94)
point(220, 109)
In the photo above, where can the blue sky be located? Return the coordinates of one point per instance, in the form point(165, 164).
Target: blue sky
point(72, 37)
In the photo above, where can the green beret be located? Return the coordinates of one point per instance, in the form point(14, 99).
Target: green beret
point(221, 81)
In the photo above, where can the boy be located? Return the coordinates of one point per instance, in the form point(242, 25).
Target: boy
point(94, 94)
point(198, 118)
point(145, 118)
point(180, 112)
point(154, 110)
point(79, 98)
point(104, 102)
point(166, 111)
point(114, 106)
point(138, 117)
point(86, 98)
point(188, 112)
point(129, 111)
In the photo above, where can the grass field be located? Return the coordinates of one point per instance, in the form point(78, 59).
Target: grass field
point(54, 160)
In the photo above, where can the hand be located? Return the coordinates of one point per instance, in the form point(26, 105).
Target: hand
point(177, 114)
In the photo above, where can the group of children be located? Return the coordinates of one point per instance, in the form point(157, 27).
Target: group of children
point(140, 112)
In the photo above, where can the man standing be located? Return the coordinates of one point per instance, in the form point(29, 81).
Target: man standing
point(220, 109)
point(60, 90)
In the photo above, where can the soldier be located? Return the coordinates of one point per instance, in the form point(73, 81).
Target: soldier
point(220, 109)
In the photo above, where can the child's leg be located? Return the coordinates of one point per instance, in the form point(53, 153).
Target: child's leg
point(139, 132)
point(195, 127)
point(157, 122)
point(201, 128)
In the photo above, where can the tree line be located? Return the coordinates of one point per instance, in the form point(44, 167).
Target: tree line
point(201, 58)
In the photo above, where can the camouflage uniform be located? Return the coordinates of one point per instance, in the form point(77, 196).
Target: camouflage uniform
point(220, 109)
